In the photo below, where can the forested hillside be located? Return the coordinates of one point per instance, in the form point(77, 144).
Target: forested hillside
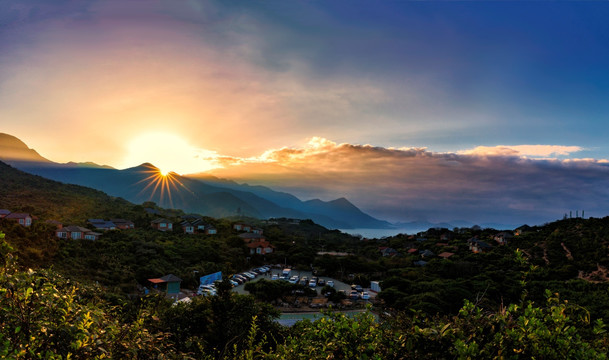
point(50, 199)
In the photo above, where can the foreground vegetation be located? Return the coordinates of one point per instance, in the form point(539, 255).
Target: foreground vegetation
point(45, 315)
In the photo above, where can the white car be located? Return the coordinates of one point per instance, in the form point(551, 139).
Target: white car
point(330, 283)
point(294, 279)
point(365, 296)
point(275, 277)
point(207, 290)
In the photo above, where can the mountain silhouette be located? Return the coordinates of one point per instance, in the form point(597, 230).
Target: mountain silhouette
point(208, 196)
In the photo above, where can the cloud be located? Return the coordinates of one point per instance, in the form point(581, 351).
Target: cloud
point(523, 150)
point(414, 183)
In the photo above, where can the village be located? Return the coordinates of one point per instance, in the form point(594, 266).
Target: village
point(328, 291)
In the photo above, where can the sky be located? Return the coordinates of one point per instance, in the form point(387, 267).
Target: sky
point(260, 90)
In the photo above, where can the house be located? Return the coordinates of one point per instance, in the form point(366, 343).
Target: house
point(446, 255)
point(387, 251)
point(199, 225)
point(168, 283)
point(22, 218)
point(123, 224)
point(238, 226)
point(503, 237)
point(257, 243)
point(426, 253)
point(260, 247)
point(257, 230)
point(76, 233)
point(420, 263)
point(210, 230)
point(187, 227)
point(478, 246)
point(161, 224)
point(92, 235)
point(102, 224)
point(4, 212)
point(412, 251)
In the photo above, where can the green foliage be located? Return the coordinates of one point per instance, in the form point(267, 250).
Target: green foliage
point(44, 315)
point(334, 336)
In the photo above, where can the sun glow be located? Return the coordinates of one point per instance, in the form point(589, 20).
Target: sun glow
point(170, 153)
point(158, 182)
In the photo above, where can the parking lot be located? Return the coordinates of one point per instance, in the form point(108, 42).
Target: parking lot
point(338, 285)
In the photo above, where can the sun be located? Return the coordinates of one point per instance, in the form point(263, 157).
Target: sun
point(168, 152)
point(158, 182)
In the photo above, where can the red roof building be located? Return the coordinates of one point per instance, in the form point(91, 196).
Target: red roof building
point(22, 218)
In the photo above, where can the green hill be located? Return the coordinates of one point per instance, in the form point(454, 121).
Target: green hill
point(48, 199)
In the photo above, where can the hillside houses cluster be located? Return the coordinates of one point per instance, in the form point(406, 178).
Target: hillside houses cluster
point(73, 232)
point(190, 224)
point(253, 239)
point(420, 248)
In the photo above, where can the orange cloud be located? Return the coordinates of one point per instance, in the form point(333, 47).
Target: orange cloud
point(523, 150)
point(414, 183)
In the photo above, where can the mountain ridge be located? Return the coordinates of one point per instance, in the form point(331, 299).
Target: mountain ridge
point(214, 198)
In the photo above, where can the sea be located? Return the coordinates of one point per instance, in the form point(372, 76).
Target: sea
point(381, 233)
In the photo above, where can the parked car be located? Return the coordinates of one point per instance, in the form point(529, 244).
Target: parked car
point(353, 295)
point(313, 282)
point(330, 283)
point(358, 288)
point(275, 277)
point(234, 283)
point(294, 279)
point(249, 275)
point(321, 282)
point(304, 280)
point(365, 296)
point(206, 290)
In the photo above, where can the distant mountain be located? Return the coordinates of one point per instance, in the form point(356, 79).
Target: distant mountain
point(341, 210)
point(13, 149)
point(212, 197)
point(15, 152)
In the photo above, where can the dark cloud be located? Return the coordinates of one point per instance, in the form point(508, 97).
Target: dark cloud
point(409, 184)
